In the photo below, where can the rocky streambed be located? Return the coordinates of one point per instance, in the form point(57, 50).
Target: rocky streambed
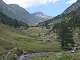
point(29, 55)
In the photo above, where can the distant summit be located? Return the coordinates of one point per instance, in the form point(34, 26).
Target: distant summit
point(38, 13)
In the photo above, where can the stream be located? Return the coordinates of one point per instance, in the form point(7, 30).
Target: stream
point(27, 56)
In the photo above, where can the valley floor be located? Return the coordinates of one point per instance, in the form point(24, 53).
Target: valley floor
point(14, 41)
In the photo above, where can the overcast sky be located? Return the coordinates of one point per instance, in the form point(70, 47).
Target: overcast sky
point(49, 7)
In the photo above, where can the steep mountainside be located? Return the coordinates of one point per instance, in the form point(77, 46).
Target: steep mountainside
point(16, 12)
point(11, 22)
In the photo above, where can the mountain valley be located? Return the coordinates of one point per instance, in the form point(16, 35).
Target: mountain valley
point(36, 36)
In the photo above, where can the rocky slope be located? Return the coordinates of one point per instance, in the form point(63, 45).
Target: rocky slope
point(42, 16)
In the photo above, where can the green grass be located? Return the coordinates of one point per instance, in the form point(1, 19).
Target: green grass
point(26, 40)
point(28, 43)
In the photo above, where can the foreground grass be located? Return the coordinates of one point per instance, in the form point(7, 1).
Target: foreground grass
point(58, 56)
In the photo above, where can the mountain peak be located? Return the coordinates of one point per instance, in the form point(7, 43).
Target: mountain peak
point(38, 13)
point(14, 5)
point(41, 14)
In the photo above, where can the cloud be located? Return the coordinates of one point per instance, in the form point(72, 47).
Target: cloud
point(71, 1)
point(30, 3)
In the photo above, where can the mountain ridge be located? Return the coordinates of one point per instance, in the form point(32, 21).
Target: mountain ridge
point(73, 7)
point(57, 19)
